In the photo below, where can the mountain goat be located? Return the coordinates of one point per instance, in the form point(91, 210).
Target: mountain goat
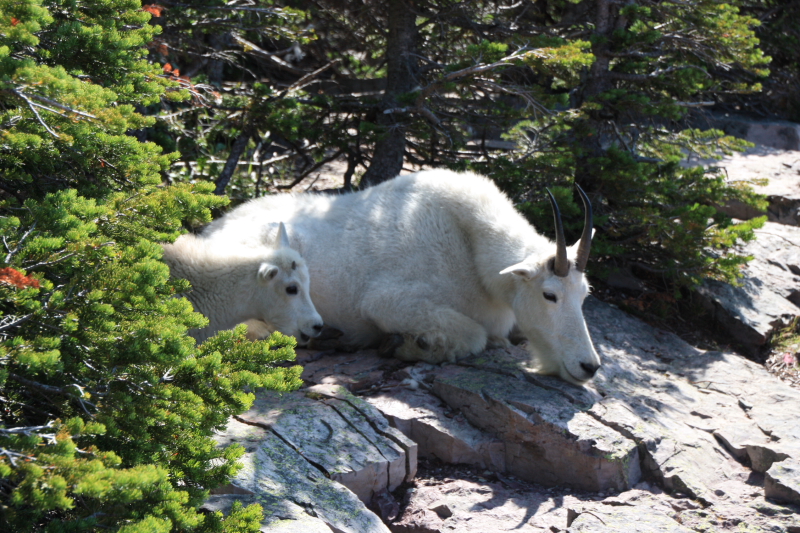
point(436, 264)
point(233, 284)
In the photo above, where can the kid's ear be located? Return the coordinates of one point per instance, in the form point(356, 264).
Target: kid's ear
point(267, 272)
point(282, 239)
point(526, 272)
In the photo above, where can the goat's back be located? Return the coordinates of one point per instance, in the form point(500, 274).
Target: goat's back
point(438, 232)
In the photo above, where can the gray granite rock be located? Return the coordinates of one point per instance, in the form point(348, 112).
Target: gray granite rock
point(628, 518)
point(699, 417)
point(439, 432)
point(334, 437)
point(750, 313)
point(296, 495)
point(769, 171)
point(705, 425)
point(548, 439)
point(782, 482)
point(472, 507)
point(776, 253)
point(768, 297)
point(778, 134)
point(700, 423)
point(399, 451)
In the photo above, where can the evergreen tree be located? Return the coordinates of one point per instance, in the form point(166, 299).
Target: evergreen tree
point(594, 92)
point(779, 36)
point(107, 407)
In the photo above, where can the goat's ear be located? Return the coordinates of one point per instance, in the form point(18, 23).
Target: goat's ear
point(526, 272)
point(267, 272)
point(282, 239)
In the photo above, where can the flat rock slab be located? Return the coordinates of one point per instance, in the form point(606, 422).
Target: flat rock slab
point(296, 496)
point(470, 507)
point(613, 519)
point(444, 505)
point(699, 417)
point(357, 372)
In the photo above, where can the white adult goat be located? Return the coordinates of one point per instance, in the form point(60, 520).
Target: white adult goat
point(437, 263)
point(233, 284)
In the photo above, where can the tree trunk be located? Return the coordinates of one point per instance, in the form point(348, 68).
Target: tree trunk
point(597, 82)
point(401, 78)
point(233, 159)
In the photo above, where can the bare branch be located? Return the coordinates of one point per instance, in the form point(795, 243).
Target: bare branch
point(32, 106)
point(309, 78)
point(58, 105)
point(303, 176)
point(38, 386)
point(251, 47)
point(15, 323)
point(21, 240)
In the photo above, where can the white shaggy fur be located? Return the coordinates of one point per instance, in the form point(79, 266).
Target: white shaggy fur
point(441, 258)
point(231, 284)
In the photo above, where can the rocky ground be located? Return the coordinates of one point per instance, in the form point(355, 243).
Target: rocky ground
point(668, 437)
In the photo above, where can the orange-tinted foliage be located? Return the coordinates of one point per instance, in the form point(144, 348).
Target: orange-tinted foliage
point(153, 9)
point(15, 278)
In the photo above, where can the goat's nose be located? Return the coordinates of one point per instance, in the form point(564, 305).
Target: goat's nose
point(317, 327)
point(590, 369)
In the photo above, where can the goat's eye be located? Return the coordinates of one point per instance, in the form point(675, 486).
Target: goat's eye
point(291, 289)
point(550, 297)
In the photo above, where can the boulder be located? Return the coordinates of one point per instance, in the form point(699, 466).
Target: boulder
point(297, 495)
point(440, 432)
point(776, 134)
point(548, 438)
point(768, 295)
point(782, 482)
point(749, 312)
point(337, 438)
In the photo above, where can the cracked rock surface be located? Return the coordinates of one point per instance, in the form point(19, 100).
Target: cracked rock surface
point(313, 458)
point(700, 437)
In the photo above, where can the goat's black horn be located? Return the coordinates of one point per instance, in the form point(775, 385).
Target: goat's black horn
point(561, 265)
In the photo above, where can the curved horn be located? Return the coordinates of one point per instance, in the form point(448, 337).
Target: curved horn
point(561, 265)
point(585, 245)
